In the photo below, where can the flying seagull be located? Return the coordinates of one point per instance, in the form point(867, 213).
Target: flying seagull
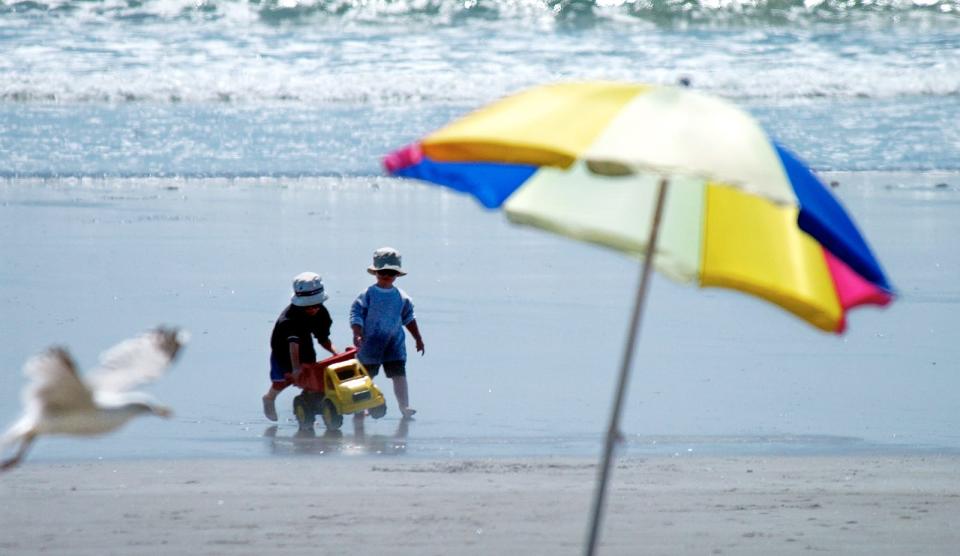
point(58, 401)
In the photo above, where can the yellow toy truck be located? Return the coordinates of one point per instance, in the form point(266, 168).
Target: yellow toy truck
point(337, 386)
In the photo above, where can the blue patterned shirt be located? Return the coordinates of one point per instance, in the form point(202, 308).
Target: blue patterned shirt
point(382, 314)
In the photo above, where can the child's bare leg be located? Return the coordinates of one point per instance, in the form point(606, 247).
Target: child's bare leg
point(269, 405)
point(403, 399)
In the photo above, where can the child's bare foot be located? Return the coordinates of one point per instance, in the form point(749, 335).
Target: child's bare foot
point(408, 412)
point(269, 409)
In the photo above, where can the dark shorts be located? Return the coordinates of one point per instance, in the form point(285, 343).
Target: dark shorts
point(277, 375)
point(276, 372)
point(390, 368)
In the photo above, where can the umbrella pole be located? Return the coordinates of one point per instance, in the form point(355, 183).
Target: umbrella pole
point(613, 431)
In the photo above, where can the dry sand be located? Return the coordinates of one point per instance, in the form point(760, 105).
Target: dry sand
point(363, 505)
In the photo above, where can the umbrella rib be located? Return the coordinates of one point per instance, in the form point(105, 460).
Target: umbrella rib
point(613, 430)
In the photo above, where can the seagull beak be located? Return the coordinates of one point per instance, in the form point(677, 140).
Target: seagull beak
point(162, 411)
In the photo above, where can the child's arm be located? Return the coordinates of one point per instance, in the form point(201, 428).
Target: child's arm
point(415, 332)
point(295, 358)
point(357, 313)
point(328, 345)
point(322, 331)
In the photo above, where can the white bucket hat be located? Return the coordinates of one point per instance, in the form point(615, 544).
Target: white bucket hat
point(386, 258)
point(308, 290)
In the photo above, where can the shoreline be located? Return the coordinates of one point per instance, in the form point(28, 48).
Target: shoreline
point(83, 179)
point(656, 505)
point(289, 442)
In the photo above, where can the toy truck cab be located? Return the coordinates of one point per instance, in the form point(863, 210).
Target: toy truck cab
point(334, 387)
point(349, 387)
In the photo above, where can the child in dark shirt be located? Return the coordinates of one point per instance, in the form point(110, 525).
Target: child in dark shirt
point(291, 343)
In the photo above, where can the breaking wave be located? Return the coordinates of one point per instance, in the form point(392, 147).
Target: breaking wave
point(444, 12)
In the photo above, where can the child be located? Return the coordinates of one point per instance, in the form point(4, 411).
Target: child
point(291, 343)
point(377, 318)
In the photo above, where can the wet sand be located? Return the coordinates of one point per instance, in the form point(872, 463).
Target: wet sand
point(661, 505)
point(88, 263)
point(494, 464)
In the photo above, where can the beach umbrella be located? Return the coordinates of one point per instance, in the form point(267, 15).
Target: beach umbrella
point(686, 181)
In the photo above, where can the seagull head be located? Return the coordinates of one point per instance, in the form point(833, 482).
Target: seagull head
point(135, 409)
point(133, 404)
point(161, 411)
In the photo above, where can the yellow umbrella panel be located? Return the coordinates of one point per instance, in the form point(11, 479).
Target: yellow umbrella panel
point(710, 234)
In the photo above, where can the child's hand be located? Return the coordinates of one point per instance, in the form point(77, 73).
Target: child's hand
point(357, 340)
point(420, 346)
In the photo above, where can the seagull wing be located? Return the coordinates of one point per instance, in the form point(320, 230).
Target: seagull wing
point(55, 386)
point(137, 360)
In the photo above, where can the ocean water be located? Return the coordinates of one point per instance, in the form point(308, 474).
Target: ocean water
point(188, 148)
point(234, 88)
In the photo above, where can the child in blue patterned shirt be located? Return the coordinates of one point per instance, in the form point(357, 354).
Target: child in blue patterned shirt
point(378, 317)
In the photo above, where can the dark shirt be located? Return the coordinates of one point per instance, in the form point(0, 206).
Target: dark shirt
point(295, 325)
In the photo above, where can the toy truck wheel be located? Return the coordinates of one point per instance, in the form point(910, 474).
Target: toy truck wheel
point(331, 417)
point(303, 410)
point(378, 411)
